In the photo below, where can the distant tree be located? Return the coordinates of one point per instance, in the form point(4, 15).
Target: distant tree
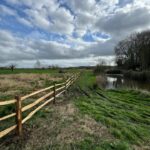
point(38, 64)
point(119, 62)
point(99, 68)
point(53, 67)
point(12, 67)
point(101, 62)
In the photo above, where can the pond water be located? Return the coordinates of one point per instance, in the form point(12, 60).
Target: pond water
point(118, 81)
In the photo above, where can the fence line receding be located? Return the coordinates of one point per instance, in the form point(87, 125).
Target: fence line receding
point(53, 91)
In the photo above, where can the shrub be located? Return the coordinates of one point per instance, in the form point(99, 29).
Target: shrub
point(98, 69)
point(101, 81)
point(61, 71)
point(114, 71)
point(95, 86)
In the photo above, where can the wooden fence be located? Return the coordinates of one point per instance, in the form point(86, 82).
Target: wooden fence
point(55, 91)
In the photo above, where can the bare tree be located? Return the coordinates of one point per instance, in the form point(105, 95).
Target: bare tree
point(12, 67)
point(99, 68)
point(37, 64)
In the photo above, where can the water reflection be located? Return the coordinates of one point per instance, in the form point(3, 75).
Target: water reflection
point(118, 81)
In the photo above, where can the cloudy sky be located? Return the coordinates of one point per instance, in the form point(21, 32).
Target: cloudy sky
point(67, 32)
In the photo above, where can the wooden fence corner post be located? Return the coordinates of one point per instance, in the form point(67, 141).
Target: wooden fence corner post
point(18, 115)
point(54, 94)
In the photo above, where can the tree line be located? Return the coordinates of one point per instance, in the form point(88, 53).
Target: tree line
point(134, 51)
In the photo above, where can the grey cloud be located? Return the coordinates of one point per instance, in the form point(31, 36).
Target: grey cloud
point(15, 48)
point(125, 23)
point(125, 2)
point(102, 49)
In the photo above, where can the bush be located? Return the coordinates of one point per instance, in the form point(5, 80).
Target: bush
point(61, 71)
point(95, 86)
point(101, 80)
point(98, 69)
point(114, 71)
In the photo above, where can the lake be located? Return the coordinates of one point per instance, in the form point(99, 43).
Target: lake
point(118, 81)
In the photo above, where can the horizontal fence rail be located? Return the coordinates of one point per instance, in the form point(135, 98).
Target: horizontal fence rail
point(54, 91)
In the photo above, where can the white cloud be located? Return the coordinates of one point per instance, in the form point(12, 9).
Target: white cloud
point(4, 10)
point(47, 15)
point(7, 11)
point(24, 21)
point(38, 18)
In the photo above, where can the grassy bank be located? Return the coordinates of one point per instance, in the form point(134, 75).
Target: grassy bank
point(126, 113)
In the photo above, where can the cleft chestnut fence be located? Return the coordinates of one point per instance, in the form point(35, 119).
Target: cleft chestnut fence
point(53, 92)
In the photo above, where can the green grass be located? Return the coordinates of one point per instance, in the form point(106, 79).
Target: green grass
point(88, 144)
point(126, 113)
point(87, 79)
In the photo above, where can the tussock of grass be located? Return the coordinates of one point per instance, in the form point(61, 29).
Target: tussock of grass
point(88, 144)
point(101, 80)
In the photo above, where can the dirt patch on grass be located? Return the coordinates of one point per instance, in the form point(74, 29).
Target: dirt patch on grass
point(82, 128)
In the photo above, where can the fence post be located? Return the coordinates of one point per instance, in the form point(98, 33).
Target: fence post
point(18, 115)
point(65, 88)
point(54, 94)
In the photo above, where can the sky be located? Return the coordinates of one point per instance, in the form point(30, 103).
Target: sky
point(67, 32)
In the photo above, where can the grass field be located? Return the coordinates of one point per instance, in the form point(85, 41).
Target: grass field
point(23, 81)
point(89, 118)
point(37, 71)
point(16, 71)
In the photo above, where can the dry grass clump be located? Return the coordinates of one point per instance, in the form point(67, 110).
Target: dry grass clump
point(10, 85)
point(35, 77)
point(101, 80)
point(29, 77)
point(6, 84)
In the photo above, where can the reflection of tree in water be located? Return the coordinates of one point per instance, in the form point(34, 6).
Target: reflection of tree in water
point(118, 82)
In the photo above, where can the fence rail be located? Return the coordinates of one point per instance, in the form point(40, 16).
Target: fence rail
point(56, 91)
